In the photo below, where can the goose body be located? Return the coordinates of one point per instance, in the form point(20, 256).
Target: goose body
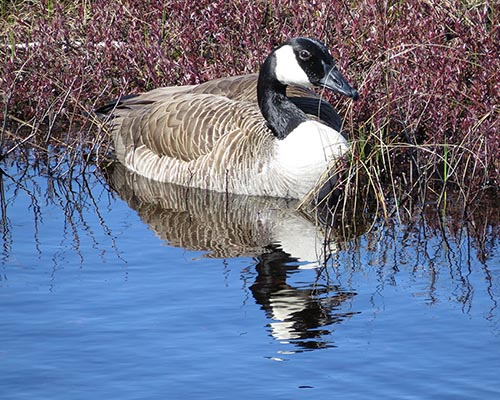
point(246, 134)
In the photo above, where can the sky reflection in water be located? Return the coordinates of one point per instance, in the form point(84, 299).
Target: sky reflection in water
point(189, 293)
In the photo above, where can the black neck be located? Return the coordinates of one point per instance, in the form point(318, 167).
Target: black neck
point(281, 114)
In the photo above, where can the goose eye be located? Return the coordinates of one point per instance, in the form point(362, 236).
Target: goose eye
point(304, 55)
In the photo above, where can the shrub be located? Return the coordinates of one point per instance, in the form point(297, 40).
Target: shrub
point(428, 72)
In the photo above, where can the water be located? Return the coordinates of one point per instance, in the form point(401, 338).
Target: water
point(163, 293)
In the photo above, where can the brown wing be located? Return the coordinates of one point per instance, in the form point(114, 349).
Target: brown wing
point(244, 88)
point(240, 88)
point(185, 122)
point(183, 126)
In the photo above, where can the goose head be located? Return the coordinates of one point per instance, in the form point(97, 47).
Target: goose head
point(307, 62)
point(299, 62)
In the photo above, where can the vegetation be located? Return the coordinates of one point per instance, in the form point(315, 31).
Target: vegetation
point(428, 73)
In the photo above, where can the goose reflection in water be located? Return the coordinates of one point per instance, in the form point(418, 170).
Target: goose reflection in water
point(298, 312)
point(270, 230)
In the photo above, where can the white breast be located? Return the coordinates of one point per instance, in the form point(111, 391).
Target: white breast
point(305, 154)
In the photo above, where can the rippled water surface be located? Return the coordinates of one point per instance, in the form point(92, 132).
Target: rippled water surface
point(151, 292)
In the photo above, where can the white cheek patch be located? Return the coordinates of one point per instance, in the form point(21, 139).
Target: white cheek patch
point(287, 70)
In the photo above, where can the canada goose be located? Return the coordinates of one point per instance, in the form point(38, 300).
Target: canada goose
point(242, 134)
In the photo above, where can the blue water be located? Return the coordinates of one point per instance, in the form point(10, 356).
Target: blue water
point(97, 302)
